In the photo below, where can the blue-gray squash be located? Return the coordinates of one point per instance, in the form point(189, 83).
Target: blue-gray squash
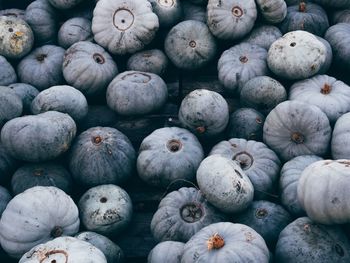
point(169, 12)
point(7, 165)
point(340, 143)
point(74, 30)
point(273, 11)
point(263, 35)
point(333, 3)
point(11, 105)
point(13, 12)
point(194, 12)
point(26, 92)
point(340, 16)
point(167, 251)
point(7, 72)
point(5, 198)
point(64, 4)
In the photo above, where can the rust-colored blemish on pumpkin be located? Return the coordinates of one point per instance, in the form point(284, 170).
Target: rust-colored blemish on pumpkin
point(302, 7)
point(43, 256)
point(201, 129)
point(97, 140)
point(326, 89)
point(249, 236)
point(215, 242)
point(307, 228)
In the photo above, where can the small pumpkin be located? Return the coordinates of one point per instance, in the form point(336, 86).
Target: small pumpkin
point(273, 11)
point(168, 11)
point(5, 198)
point(26, 92)
point(11, 105)
point(74, 30)
point(167, 251)
point(263, 35)
point(340, 142)
point(7, 72)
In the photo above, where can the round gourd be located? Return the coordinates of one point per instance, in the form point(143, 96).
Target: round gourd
point(64, 4)
point(273, 11)
point(13, 12)
point(42, 214)
point(305, 241)
point(5, 198)
point(204, 112)
point(167, 251)
point(295, 128)
point(334, 3)
point(327, 182)
point(167, 155)
point(168, 11)
point(224, 184)
point(64, 249)
point(88, 68)
point(36, 138)
point(232, 19)
point(7, 72)
point(105, 209)
point(26, 92)
point(101, 155)
point(11, 105)
point(263, 36)
point(340, 16)
point(74, 30)
point(181, 214)
point(136, 93)
point(256, 160)
point(193, 12)
point(241, 63)
point(340, 143)
point(124, 26)
point(226, 242)
point(7, 165)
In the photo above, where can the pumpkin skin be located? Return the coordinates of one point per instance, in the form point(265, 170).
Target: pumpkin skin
point(7, 72)
point(329, 94)
point(14, 12)
point(224, 184)
point(42, 68)
point(204, 112)
point(241, 244)
point(339, 142)
point(7, 165)
point(181, 214)
point(5, 198)
point(74, 30)
point(334, 4)
point(329, 182)
point(64, 249)
point(194, 12)
point(64, 4)
point(340, 16)
point(42, 213)
point(105, 209)
point(168, 11)
point(241, 63)
point(167, 251)
point(295, 128)
point(112, 251)
point(263, 36)
point(11, 105)
point(26, 92)
point(56, 131)
point(273, 11)
point(231, 20)
point(296, 243)
point(167, 155)
point(101, 155)
point(256, 160)
point(124, 26)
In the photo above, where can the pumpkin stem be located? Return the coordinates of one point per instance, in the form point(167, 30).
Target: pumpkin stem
point(326, 89)
point(302, 7)
point(191, 213)
point(174, 145)
point(200, 129)
point(99, 59)
point(215, 242)
point(237, 11)
point(261, 213)
point(97, 140)
point(243, 59)
point(193, 44)
point(297, 137)
point(38, 172)
point(57, 231)
point(41, 57)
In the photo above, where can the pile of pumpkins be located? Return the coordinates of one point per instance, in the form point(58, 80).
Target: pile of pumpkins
point(289, 143)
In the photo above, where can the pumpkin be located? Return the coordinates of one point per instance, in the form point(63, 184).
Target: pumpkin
point(167, 251)
point(231, 19)
point(326, 181)
point(42, 213)
point(256, 160)
point(263, 36)
point(42, 68)
point(14, 12)
point(5, 198)
point(64, 249)
point(136, 93)
point(55, 131)
point(167, 155)
point(194, 12)
point(74, 30)
point(224, 184)
point(204, 112)
point(306, 241)
point(7, 72)
point(226, 242)
point(340, 142)
point(124, 26)
point(295, 128)
point(168, 11)
point(101, 155)
point(105, 209)
point(26, 92)
point(340, 16)
point(7, 165)
point(241, 63)
point(334, 3)
point(11, 105)
point(88, 68)
point(273, 11)
point(181, 214)
point(64, 4)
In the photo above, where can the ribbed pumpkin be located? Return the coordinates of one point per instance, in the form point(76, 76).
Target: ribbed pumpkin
point(11, 105)
point(7, 72)
point(340, 138)
point(74, 30)
point(273, 11)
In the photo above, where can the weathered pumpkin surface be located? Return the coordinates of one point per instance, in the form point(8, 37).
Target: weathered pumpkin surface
point(273, 11)
point(323, 191)
point(7, 72)
point(5, 198)
point(74, 30)
point(204, 112)
point(256, 160)
point(167, 251)
point(64, 249)
point(101, 155)
point(340, 138)
point(295, 128)
point(334, 3)
point(194, 12)
point(224, 184)
point(11, 105)
point(42, 214)
point(41, 137)
point(231, 19)
point(288, 184)
point(26, 92)
point(306, 241)
point(263, 36)
point(226, 242)
point(169, 12)
point(181, 214)
point(64, 4)
point(7, 165)
point(241, 63)
point(105, 209)
point(124, 26)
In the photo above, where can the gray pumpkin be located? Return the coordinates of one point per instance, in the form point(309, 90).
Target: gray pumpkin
point(263, 36)
point(74, 30)
point(340, 16)
point(112, 251)
point(105, 209)
point(88, 68)
point(167, 251)
point(41, 137)
point(13, 12)
point(42, 68)
point(204, 112)
point(288, 184)
point(181, 214)
point(41, 174)
point(136, 93)
point(256, 160)
point(167, 155)
point(334, 3)
point(194, 12)
point(168, 11)
point(305, 241)
point(101, 155)
point(7, 72)
point(11, 105)
point(263, 94)
point(294, 2)
point(295, 128)
point(5, 198)
point(241, 63)
point(7, 165)
point(340, 143)
point(190, 45)
point(26, 92)
point(64, 4)
point(273, 11)
point(64, 99)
